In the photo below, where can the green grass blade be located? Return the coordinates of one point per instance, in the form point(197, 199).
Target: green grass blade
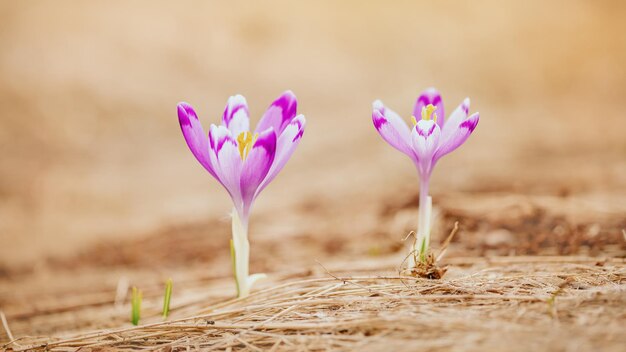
point(136, 306)
point(167, 298)
point(423, 251)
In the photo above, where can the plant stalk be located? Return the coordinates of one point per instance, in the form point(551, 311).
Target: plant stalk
point(240, 252)
point(422, 238)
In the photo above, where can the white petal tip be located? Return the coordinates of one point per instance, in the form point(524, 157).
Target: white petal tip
point(299, 117)
point(237, 98)
point(377, 104)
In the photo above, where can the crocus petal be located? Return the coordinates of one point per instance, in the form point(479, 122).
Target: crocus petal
point(280, 113)
point(256, 165)
point(195, 137)
point(227, 161)
point(425, 139)
point(457, 137)
point(454, 120)
point(235, 116)
point(285, 146)
point(392, 128)
point(430, 96)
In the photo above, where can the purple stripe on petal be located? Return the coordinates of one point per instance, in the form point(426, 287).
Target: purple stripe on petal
point(266, 141)
point(280, 113)
point(289, 105)
point(392, 128)
point(185, 113)
point(470, 123)
point(218, 135)
point(465, 105)
point(298, 122)
point(300, 133)
point(223, 141)
point(431, 130)
point(436, 100)
point(378, 119)
point(237, 108)
point(425, 128)
point(236, 117)
point(212, 137)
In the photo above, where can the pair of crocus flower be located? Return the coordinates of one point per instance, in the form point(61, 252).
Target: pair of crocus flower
point(245, 162)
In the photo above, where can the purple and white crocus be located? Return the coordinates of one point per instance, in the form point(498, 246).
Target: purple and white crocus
point(244, 162)
point(430, 138)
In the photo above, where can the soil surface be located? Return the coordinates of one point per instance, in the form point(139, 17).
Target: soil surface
point(98, 191)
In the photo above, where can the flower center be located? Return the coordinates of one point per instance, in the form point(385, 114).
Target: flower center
point(245, 141)
point(428, 112)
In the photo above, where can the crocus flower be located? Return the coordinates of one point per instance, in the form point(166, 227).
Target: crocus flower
point(430, 138)
point(244, 162)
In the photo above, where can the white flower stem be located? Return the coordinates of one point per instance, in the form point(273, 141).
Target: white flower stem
point(240, 252)
point(422, 238)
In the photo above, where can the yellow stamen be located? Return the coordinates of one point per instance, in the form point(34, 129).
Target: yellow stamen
point(428, 112)
point(245, 141)
point(414, 120)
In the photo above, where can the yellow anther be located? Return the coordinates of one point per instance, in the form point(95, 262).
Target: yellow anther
point(428, 112)
point(414, 120)
point(245, 141)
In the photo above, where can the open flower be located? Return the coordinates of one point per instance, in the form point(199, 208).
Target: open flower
point(244, 162)
point(430, 138)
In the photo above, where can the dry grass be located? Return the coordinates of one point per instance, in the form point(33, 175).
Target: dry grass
point(543, 303)
point(546, 303)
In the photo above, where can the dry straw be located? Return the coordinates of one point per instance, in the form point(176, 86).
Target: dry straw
point(480, 304)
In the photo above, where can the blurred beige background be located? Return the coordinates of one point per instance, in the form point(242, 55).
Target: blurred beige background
point(91, 150)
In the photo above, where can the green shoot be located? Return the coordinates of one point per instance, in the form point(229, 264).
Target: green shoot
point(167, 298)
point(423, 251)
point(552, 299)
point(136, 306)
